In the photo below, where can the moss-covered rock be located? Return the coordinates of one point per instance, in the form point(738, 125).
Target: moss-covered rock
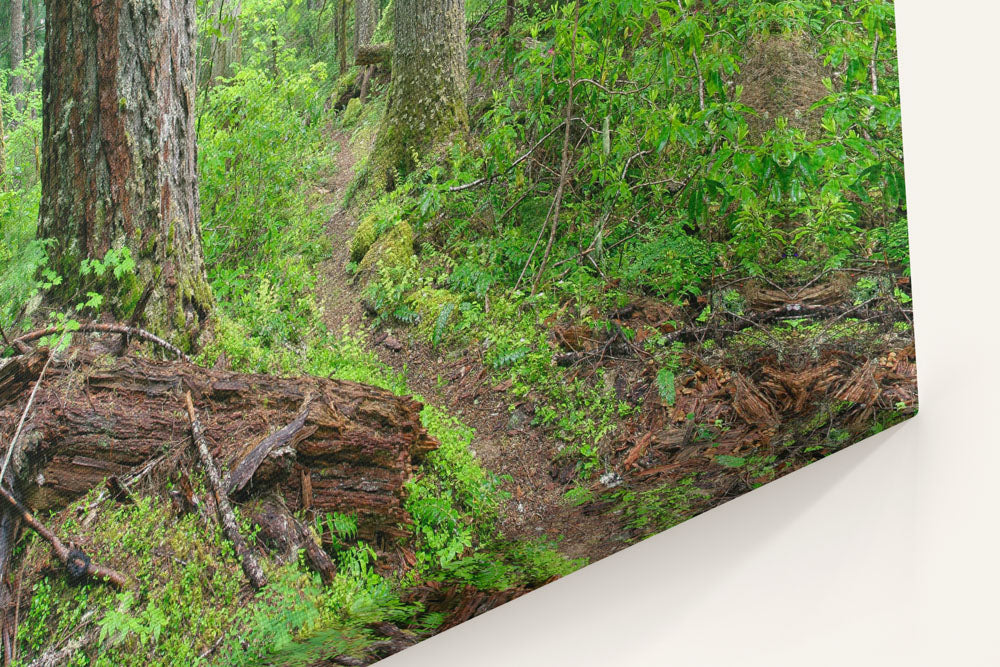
point(352, 112)
point(394, 248)
point(364, 237)
point(430, 303)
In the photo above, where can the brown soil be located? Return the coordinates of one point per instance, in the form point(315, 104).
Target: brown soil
point(337, 296)
point(505, 443)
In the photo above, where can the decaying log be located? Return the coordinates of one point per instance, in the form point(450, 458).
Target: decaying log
point(288, 535)
point(245, 469)
point(97, 416)
point(374, 54)
point(251, 567)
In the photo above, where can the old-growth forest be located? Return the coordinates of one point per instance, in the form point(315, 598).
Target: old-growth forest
point(327, 325)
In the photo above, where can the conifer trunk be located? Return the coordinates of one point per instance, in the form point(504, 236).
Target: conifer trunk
point(16, 50)
point(118, 145)
point(366, 14)
point(429, 82)
point(341, 20)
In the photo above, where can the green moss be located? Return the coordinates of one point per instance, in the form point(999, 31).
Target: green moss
point(364, 237)
point(429, 302)
point(393, 249)
point(352, 113)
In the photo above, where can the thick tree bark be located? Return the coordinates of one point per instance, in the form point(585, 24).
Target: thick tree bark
point(93, 418)
point(118, 144)
point(17, 49)
point(429, 83)
point(366, 13)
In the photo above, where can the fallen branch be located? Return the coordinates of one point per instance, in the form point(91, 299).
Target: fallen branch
point(103, 328)
point(245, 469)
point(225, 511)
point(78, 564)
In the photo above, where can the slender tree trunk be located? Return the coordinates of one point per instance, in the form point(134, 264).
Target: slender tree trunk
point(16, 50)
point(3, 150)
point(508, 19)
point(429, 83)
point(341, 20)
point(29, 32)
point(221, 50)
point(118, 144)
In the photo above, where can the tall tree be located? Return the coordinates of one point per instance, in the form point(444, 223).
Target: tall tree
point(429, 84)
point(16, 49)
point(366, 14)
point(118, 144)
point(341, 36)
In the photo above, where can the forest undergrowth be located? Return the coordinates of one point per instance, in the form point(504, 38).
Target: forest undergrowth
point(655, 261)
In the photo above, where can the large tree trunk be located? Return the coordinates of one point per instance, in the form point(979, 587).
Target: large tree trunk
point(429, 83)
point(349, 449)
point(118, 144)
point(16, 50)
point(365, 20)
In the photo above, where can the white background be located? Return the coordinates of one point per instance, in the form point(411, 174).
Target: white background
point(887, 553)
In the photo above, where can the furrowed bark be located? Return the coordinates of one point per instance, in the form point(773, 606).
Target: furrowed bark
point(429, 84)
point(118, 152)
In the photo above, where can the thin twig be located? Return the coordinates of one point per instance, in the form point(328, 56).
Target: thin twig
point(564, 169)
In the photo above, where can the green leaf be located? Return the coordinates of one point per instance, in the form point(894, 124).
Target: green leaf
point(730, 461)
point(665, 386)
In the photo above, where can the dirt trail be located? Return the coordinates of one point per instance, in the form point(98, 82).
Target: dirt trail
point(504, 443)
point(339, 298)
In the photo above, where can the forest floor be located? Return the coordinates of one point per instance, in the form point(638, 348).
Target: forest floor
point(505, 443)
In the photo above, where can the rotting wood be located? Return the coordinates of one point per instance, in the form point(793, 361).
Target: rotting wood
point(248, 465)
point(249, 562)
point(288, 535)
point(96, 416)
point(374, 54)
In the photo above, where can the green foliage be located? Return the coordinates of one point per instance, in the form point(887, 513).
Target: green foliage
point(659, 508)
point(259, 150)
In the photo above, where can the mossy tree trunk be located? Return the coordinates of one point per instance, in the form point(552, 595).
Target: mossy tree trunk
point(429, 84)
point(119, 157)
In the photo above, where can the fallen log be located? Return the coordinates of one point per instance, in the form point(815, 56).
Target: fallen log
point(373, 54)
point(287, 535)
point(95, 417)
